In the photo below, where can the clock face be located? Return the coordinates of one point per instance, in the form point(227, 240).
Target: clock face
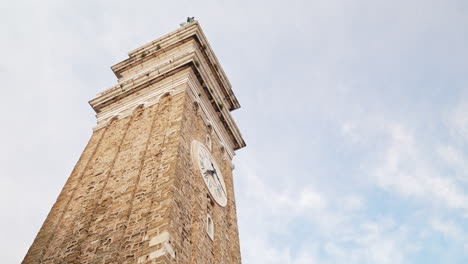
point(210, 172)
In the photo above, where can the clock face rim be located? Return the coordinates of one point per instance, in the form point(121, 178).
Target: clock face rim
point(196, 147)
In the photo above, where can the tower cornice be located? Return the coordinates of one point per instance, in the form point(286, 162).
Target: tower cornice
point(172, 41)
point(156, 61)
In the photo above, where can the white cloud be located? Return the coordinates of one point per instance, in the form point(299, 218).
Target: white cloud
point(403, 167)
point(294, 199)
point(458, 120)
point(311, 200)
point(456, 161)
point(448, 228)
point(338, 232)
point(353, 202)
point(259, 251)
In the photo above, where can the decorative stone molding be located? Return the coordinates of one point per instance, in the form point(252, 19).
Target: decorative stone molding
point(196, 106)
point(179, 62)
point(138, 107)
point(210, 127)
point(150, 97)
point(168, 45)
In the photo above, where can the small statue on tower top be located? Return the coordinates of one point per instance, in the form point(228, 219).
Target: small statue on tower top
point(189, 21)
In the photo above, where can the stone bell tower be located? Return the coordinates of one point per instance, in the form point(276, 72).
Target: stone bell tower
point(141, 192)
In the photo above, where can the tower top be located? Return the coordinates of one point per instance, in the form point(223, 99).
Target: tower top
point(186, 47)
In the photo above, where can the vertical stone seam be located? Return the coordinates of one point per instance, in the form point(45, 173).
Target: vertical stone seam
point(88, 224)
point(71, 196)
point(154, 182)
point(195, 231)
point(177, 158)
point(137, 181)
point(158, 172)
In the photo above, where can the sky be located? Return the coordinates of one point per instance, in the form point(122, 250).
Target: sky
point(355, 115)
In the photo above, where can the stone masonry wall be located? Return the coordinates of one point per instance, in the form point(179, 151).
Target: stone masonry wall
point(135, 197)
point(118, 189)
point(192, 202)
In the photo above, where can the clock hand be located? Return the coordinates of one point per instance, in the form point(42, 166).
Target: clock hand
point(215, 172)
point(209, 172)
point(222, 188)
